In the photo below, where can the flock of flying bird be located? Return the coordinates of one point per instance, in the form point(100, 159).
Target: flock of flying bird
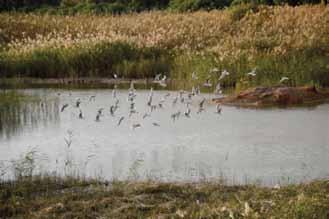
point(183, 97)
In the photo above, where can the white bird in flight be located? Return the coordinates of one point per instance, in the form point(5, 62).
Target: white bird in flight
point(224, 74)
point(218, 89)
point(157, 78)
point(207, 83)
point(214, 70)
point(252, 73)
point(283, 79)
point(194, 76)
point(162, 82)
point(218, 109)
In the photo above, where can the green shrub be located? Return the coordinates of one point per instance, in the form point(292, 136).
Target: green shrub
point(70, 3)
point(184, 5)
point(193, 5)
point(240, 10)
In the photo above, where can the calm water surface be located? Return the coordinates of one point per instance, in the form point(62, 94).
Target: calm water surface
point(240, 145)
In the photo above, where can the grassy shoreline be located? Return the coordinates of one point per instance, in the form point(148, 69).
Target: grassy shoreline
point(51, 197)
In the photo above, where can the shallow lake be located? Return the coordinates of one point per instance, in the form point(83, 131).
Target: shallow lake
point(239, 145)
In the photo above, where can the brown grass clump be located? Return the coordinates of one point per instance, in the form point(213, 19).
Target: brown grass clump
point(74, 198)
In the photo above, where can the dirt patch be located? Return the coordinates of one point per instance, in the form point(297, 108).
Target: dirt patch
point(276, 96)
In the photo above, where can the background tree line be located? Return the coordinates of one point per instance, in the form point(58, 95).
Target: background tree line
point(121, 6)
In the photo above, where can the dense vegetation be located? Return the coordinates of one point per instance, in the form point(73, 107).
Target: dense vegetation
point(121, 6)
point(278, 41)
point(52, 197)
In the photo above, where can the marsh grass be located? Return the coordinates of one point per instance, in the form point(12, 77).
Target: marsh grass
point(98, 60)
point(301, 68)
point(8, 97)
point(279, 41)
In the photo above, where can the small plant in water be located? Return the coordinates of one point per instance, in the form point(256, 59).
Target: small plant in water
point(68, 160)
point(3, 169)
point(68, 141)
point(133, 170)
point(27, 164)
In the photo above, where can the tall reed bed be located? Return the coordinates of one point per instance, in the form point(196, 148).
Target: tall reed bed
point(279, 41)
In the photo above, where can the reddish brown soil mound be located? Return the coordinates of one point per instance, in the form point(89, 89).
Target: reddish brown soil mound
point(276, 96)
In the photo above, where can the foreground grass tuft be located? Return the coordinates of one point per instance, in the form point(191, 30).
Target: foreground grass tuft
point(51, 197)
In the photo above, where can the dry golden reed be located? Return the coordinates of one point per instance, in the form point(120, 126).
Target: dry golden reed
point(275, 30)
